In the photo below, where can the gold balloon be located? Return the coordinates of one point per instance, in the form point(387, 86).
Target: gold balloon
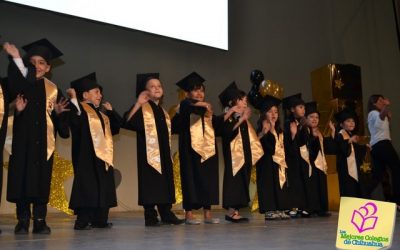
point(271, 88)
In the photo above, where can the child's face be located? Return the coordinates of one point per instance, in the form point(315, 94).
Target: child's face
point(272, 114)
point(93, 96)
point(197, 94)
point(299, 111)
point(242, 103)
point(348, 124)
point(42, 67)
point(313, 120)
point(155, 89)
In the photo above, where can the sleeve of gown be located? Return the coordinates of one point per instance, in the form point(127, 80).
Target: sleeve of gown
point(115, 121)
point(136, 122)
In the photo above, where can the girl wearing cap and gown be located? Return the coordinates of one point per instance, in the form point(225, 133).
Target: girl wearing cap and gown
point(196, 125)
point(93, 190)
point(349, 155)
point(153, 131)
point(272, 185)
point(293, 128)
point(34, 132)
point(3, 124)
point(241, 149)
point(313, 155)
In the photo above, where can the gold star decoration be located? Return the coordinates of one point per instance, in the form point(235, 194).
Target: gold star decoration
point(339, 84)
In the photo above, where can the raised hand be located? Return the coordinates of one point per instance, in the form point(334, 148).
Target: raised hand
point(20, 103)
point(354, 138)
point(333, 129)
point(246, 113)
point(143, 97)
point(107, 106)
point(11, 50)
point(61, 105)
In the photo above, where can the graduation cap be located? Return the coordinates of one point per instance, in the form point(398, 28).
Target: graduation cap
point(42, 48)
point(189, 82)
point(142, 79)
point(85, 83)
point(345, 114)
point(311, 107)
point(230, 93)
point(292, 101)
point(268, 102)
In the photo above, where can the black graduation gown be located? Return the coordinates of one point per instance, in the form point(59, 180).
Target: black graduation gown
point(295, 166)
point(316, 186)
point(235, 188)
point(3, 129)
point(29, 172)
point(271, 196)
point(93, 185)
point(199, 180)
point(153, 187)
point(347, 185)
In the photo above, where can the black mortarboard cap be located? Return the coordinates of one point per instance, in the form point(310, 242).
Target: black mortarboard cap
point(269, 101)
point(42, 48)
point(142, 79)
point(345, 114)
point(228, 94)
point(311, 107)
point(85, 83)
point(292, 101)
point(189, 81)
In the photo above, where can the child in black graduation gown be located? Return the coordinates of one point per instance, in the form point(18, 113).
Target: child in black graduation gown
point(293, 128)
point(241, 149)
point(92, 125)
point(198, 156)
point(315, 167)
point(3, 125)
point(153, 131)
point(34, 131)
point(349, 155)
point(272, 183)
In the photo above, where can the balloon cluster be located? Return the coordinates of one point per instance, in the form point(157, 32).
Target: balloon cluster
point(261, 87)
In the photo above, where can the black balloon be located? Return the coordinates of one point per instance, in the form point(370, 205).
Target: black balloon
point(117, 177)
point(256, 77)
point(254, 97)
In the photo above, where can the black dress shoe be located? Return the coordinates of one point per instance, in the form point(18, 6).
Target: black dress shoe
point(80, 226)
point(40, 227)
point(173, 220)
point(236, 220)
point(152, 223)
point(102, 225)
point(22, 227)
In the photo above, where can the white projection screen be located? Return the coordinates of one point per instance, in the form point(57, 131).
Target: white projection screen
point(198, 21)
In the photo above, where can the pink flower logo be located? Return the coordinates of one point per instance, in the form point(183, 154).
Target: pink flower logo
point(363, 218)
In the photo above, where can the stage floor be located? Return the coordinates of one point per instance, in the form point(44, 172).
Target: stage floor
point(129, 232)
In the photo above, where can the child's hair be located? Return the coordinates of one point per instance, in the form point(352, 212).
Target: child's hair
point(240, 96)
point(372, 101)
point(263, 116)
point(196, 86)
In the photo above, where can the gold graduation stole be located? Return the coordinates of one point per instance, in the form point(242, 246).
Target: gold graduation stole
point(203, 141)
point(1, 105)
point(320, 161)
point(237, 152)
point(351, 160)
point(279, 157)
point(150, 129)
point(102, 139)
point(51, 99)
point(306, 157)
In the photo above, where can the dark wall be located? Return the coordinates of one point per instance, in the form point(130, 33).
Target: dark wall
point(285, 39)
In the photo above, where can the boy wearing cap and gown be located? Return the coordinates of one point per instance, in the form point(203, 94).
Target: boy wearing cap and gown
point(313, 158)
point(34, 132)
point(241, 149)
point(294, 127)
point(153, 131)
point(196, 125)
point(93, 190)
point(3, 124)
point(349, 154)
point(272, 184)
